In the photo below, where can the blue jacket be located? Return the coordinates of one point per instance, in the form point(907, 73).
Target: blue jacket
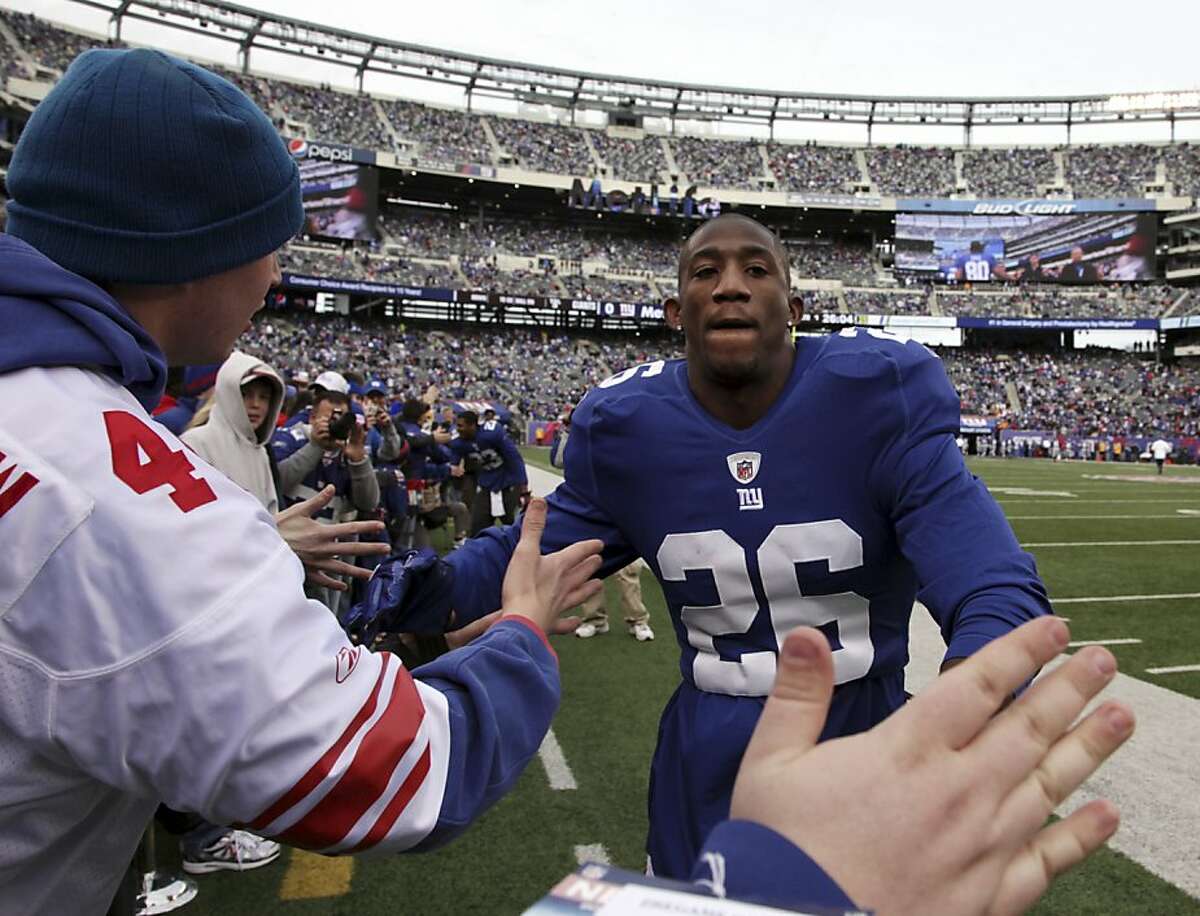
point(66, 320)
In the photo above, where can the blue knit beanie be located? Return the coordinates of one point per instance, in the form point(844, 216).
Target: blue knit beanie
point(139, 167)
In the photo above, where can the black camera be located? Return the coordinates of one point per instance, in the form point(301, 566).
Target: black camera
point(343, 426)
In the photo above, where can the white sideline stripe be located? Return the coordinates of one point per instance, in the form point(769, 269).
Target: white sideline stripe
point(1186, 513)
point(1104, 543)
point(1173, 669)
point(1124, 598)
point(557, 771)
point(1152, 779)
point(592, 852)
point(1075, 502)
point(1102, 642)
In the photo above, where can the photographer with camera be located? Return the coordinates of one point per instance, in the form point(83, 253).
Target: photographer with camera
point(330, 450)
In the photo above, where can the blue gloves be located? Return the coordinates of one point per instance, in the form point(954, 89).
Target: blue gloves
point(410, 592)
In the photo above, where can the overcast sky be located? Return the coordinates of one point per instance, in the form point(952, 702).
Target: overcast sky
point(934, 47)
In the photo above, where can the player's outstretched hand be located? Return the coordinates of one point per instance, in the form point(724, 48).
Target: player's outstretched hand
point(542, 587)
point(942, 807)
point(318, 546)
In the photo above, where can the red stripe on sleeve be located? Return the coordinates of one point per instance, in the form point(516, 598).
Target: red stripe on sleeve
point(367, 777)
point(321, 768)
point(397, 805)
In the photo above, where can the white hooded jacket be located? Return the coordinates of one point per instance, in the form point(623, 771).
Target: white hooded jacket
point(228, 442)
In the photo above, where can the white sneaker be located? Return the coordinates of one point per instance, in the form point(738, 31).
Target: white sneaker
point(588, 630)
point(641, 632)
point(237, 850)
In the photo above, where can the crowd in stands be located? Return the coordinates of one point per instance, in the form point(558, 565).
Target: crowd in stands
point(1081, 392)
point(358, 264)
point(532, 373)
point(454, 137)
point(443, 136)
point(1183, 167)
point(719, 163)
point(1014, 172)
point(537, 374)
point(52, 47)
point(912, 171)
point(809, 167)
point(875, 302)
point(1110, 171)
point(848, 262)
point(542, 147)
point(607, 288)
point(633, 160)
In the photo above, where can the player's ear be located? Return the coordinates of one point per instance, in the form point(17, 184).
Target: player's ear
point(673, 314)
point(795, 311)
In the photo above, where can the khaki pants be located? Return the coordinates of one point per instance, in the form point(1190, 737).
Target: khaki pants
point(629, 588)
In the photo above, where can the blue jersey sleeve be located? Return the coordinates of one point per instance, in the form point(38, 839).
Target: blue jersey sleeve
point(743, 860)
point(500, 708)
point(574, 514)
point(973, 576)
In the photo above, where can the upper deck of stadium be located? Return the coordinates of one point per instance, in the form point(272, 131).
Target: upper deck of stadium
point(544, 125)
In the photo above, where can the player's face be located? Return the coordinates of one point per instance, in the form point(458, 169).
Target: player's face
point(220, 309)
point(465, 430)
point(734, 303)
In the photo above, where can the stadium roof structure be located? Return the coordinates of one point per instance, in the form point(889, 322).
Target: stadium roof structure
point(575, 89)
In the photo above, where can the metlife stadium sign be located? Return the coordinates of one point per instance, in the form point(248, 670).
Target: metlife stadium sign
point(1029, 207)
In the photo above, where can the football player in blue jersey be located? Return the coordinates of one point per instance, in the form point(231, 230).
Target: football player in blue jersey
point(978, 266)
point(765, 528)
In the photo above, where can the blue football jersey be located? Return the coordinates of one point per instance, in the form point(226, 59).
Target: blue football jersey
point(846, 501)
point(976, 267)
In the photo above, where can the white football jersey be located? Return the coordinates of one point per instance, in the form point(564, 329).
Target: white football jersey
point(156, 644)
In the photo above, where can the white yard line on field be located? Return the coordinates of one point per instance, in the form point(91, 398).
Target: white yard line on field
point(1152, 779)
point(1029, 518)
point(592, 852)
point(557, 771)
point(1102, 642)
point(1173, 669)
point(1105, 543)
point(1046, 502)
point(1103, 599)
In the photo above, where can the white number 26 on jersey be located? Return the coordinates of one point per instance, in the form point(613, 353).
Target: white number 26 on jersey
point(753, 674)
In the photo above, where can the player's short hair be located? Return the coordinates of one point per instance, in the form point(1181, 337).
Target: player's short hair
point(777, 245)
point(470, 417)
point(976, 246)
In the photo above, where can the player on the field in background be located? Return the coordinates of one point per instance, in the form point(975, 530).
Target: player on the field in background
point(763, 528)
point(501, 483)
point(977, 266)
point(1160, 451)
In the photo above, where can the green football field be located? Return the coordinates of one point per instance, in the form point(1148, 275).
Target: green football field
point(614, 689)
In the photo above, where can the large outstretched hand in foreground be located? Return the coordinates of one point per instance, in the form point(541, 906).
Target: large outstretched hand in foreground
point(942, 807)
point(542, 587)
point(319, 545)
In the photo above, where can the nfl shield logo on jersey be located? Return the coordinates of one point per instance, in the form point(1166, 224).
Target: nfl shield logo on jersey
point(744, 465)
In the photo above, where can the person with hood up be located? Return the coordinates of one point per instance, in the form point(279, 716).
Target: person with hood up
point(235, 438)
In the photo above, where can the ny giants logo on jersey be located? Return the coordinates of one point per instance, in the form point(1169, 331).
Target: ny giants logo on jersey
point(347, 661)
point(744, 465)
point(11, 494)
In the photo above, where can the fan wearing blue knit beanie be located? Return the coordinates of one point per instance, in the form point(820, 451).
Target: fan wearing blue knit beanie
point(155, 640)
